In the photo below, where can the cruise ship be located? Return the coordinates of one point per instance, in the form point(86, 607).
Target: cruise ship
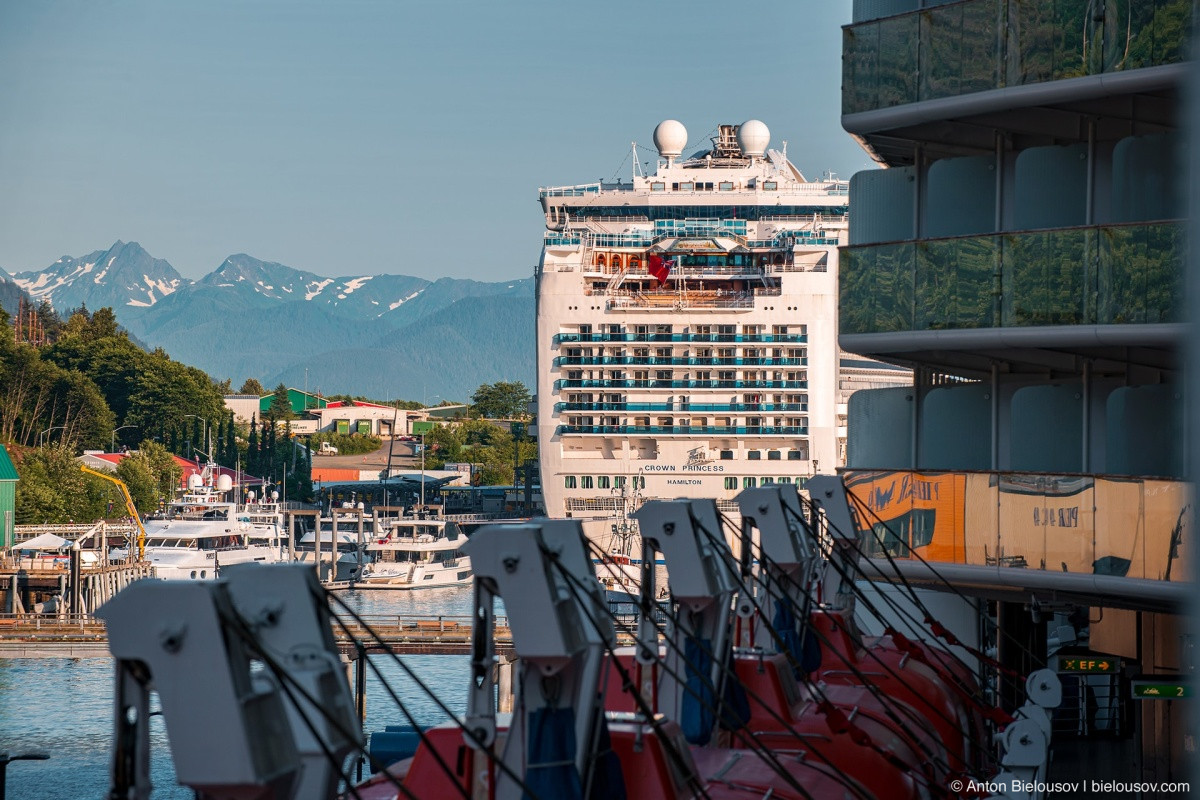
point(686, 328)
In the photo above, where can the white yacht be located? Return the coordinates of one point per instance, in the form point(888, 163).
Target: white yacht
point(415, 553)
point(686, 328)
point(201, 532)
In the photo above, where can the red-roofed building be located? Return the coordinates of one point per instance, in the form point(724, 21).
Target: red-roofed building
point(108, 462)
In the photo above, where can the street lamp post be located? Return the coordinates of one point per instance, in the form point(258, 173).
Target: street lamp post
point(207, 446)
point(112, 447)
point(43, 433)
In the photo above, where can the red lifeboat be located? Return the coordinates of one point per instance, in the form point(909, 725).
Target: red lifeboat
point(903, 678)
point(656, 764)
point(885, 768)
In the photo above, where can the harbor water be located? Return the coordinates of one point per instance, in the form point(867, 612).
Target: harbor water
point(63, 707)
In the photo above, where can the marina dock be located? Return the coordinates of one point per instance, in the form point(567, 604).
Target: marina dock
point(81, 636)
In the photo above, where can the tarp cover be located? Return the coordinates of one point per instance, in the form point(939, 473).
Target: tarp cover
point(44, 541)
point(550, 770)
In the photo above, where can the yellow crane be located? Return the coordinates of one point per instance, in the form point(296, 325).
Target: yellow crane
point(129, 506)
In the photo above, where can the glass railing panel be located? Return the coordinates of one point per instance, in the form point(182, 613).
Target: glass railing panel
point(1077, 524)
point(1140, 271)
point(1046, 280)
point(976, 45)
point(898, 42)
point(860, 68)
point(958, 50)
point(876, 288)
point(954, 283)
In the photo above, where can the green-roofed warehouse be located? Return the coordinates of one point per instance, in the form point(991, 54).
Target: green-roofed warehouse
point(8, 499)
point(300, 401)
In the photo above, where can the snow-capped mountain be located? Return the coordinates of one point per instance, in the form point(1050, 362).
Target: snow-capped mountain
point(253, 318)
point(358, 296)
point(123, 275)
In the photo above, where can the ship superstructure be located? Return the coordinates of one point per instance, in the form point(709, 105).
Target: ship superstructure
point(687, 327)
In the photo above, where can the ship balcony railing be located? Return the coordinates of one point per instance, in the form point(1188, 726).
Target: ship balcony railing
point(555, 238)
point(1095, 275)
point(978, 45)
point(685, 408)
point(628, 336)
point(570, 361)
point(648, 384)
point(569, 191)
point(697, 272)
point(1118, 526)
point(685, 430)
point(690, 299)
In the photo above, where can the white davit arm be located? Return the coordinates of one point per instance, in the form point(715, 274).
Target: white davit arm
point(700, 569)
point(836, 526)
point(788, 558)
point(559, 646)
point(284, 607)
point(227, 723)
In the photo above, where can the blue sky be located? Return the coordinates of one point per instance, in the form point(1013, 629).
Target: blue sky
point(356, 137)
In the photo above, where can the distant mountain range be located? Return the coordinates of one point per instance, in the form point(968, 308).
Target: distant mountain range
point(383, 336)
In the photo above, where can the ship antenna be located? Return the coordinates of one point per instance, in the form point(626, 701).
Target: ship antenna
point(637, 166)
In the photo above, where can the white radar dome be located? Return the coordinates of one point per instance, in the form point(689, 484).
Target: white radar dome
point(753, 138)
point(224, 483)
point(670, 137)
point(195, 481)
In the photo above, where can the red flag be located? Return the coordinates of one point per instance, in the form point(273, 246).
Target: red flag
point(660, 267)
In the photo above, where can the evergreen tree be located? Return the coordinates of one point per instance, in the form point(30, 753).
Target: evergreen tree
point(264, 452)
point(252, 450)
point(252, 386)
point(230, 441)
point(272, 458)
point(281, 404)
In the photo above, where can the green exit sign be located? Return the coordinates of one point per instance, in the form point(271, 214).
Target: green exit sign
point(1161, 689)
point(419, 428)
point(1089, 664)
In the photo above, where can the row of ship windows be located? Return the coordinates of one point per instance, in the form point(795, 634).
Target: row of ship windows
point(700, 330)
point(684, 402)
point(682, 213)
point(699, 422)
point(700, 352)
point(701, 375)
point(603, 481)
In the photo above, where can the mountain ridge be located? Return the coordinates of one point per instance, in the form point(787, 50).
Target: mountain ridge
point(249, 316)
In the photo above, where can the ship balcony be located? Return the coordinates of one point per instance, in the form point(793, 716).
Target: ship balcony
point(687, 300)
point(1094, 540)
point(1104, 285)
point(567, 383)
point(683, 430)
point(764, 408)
point(974, 46)
point(571, 361)
point(747, 338)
